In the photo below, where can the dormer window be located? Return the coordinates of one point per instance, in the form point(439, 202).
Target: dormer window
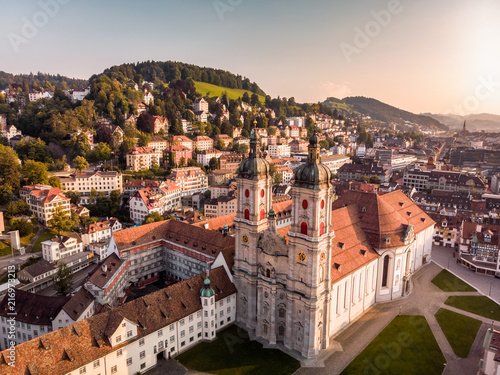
point(363, 209)
point(387, 240)
point(444, 224)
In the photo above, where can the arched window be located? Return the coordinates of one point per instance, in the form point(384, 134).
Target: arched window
point(262, 213)
point(247, 214)
point(262, 193)
point(268, 273)
point(265, 329)
point(305, 204)
point(385, 272)
point(281, 330)
point(281, 313)
point(321, 229)
point(303, 228)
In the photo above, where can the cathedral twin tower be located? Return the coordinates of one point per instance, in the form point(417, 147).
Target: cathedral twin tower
point(283, 287)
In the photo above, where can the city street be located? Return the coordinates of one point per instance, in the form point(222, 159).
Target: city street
point(488, 285)
point(78, 280)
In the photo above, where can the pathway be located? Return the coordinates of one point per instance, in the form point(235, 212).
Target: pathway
point(33, 239)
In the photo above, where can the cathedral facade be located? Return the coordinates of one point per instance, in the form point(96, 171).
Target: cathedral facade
point(336, 260)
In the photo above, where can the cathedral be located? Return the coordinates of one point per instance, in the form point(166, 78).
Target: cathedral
point(336, 260)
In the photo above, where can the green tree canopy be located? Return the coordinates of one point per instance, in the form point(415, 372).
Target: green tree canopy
point(63, 279)
point(152, 218)
point(35, 172)
point(60, 219)
point(80, 163)
point(9, 167)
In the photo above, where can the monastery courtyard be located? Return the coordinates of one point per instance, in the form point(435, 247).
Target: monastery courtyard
point(426, 299)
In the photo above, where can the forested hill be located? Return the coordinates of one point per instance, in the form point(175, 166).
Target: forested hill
point(387, 113)
point(167, 71)
point(41, 80)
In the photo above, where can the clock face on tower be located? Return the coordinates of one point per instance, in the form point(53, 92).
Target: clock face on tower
point(244, 239)
point(301, 257)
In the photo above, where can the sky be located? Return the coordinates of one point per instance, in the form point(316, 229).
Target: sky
point(421, 56)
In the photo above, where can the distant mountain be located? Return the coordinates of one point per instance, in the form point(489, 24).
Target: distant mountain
point(39, 79)
point(482, 121)
point(386, 113)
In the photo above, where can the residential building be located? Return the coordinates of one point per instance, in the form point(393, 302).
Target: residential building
point(220, 206)
point(490, 364)
point(37, 271)
point(286, 174)
point(10, 131)
point(348, 172)
point(183, 140)
point(161, 123)
point(334, 162)
point(204, 156)
point(187, 126)
point(157, 143)
point(190, 179)
point(61, 246)
point(42, 201)
point(202, 142)
point(279, 151)
point(132, 186)
point(146, 201)
point(230, 162)
point(220, 177)
point(176, 153)
point(224, 138)
point(96, 232)
point(217, 191)
point(84, 183)
point(141, 158)
point(200, 105)
point(148, 97)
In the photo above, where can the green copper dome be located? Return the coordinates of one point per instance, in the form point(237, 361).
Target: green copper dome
point(313, 174)
point(207, 290)
point(254, 167)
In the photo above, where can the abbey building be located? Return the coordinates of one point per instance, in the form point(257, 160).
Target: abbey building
point(337, 259)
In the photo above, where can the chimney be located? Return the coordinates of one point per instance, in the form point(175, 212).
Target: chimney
point(104, 268)
point(479, 227)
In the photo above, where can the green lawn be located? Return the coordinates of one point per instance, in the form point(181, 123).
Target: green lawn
point(406, 346)
point(448, 282)
point(460, 330)
point(46, 235)
point(203, 88)
point(479, 305)
point(232, 353)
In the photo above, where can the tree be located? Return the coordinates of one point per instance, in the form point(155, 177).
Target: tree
point(100, 152)
point(246, 97)
point(25, 227)
point(374, 180)
point(144, 139)
point(54, 181)
point(74, 196)
point(34, 149)
point(19, 207)
point(277, 177)
point(60, 220)
point(9, 167)
point(152, 218)
point(213, 163)
point(220, 145)
point(146, 123)
point(35, 172)
point(5, 193)
point(63, 279)
point(80, 163)
point(324, 144)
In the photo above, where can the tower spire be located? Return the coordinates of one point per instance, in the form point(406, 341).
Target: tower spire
point(253, 141)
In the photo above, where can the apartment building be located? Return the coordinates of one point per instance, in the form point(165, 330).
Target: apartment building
point(220, 206)
point(279, 151)
point(61, 246)
point(184, 141)
point(142, 158)
point(84, 183)
point(202, 142)
point(191, 180)
point(176, 153)
point(146, 201)
point(204, 156)
point(96, 232)
point(132, 186)
point(230, 162)
point(334, 162)
point(224, 138)
point(43, 200)
point(157, 143)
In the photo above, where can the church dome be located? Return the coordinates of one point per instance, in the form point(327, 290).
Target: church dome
point(313, 174)
point(254, 167)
